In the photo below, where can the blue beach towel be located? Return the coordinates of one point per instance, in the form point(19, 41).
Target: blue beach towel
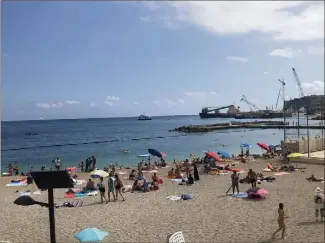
point(240, 195)
point(186, 196)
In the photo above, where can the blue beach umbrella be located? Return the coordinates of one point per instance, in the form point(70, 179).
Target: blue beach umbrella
point(156, 153)
point(91, 235)
point(224, 154)
point(246, 145)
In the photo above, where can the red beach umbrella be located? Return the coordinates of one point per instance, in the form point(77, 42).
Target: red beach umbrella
point(263, 146)
point(213, 156)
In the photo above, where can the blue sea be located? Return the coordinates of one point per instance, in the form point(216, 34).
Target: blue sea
point(76, 139)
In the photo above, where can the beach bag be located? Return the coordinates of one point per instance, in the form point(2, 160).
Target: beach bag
point(318, 199)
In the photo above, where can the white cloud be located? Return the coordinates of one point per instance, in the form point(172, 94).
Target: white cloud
point(181, 101)
point(285, 52)
point(266, 73)
point(112, 100)
point(72, 102)
point(283, 20)
point(146, 18)
point(199, 94)
point(55, 104)
point(315, 86)
point(135, 103)
point(313, 50)
point(240, 59)
point(156, 102)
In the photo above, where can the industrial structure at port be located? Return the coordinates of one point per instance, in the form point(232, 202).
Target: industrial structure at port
point(311, 105)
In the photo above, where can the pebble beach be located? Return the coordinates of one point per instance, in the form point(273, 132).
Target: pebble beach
point(211, 216)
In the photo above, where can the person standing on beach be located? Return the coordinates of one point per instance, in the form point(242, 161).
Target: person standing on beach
point(235, 182)
point(196, 173)
point(111, 186)
point(118, 187)
point(319, 204)
point(252, 177)
point(94, 162)
point(101, 188)
point(281, 218)
point(57, 163)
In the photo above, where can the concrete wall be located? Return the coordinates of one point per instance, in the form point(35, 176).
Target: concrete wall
point(301, 146)
point(306, 160)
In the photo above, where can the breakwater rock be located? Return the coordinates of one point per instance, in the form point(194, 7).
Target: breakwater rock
point(236, 125)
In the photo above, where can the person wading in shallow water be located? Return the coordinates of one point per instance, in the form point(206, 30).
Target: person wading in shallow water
point(281, 218)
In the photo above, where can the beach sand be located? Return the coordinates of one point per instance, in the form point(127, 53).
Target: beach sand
point(149, 217)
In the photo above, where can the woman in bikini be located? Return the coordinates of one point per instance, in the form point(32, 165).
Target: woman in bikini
point(118, 187)
point(281, 218)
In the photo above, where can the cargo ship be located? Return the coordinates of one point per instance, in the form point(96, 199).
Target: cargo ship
point(143, 117)
point(214, 112)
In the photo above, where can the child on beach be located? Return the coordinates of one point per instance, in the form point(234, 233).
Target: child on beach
point(101, 188)
point(281, 218)
point(111, 186)
point(319, 203)
point(118, 187)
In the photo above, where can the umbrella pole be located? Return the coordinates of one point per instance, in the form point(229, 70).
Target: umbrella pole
point(228, 189)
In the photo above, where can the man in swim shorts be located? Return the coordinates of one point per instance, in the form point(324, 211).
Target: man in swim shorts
point(252, 177)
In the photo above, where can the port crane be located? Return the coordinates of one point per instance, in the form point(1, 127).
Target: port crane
point(250, 104)
point(301, 92)
point(277, 100)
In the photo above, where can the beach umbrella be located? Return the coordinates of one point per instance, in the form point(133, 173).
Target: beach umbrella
point(71, 169)
point(246, 145)
point(91, 235)
point(143, 155)
point(263, 146)
point(156, 153)
point(98, 173)
point(213, 156)
point(295, 155)
point(224, 154)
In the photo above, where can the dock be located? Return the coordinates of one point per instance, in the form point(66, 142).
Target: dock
point(238, 125)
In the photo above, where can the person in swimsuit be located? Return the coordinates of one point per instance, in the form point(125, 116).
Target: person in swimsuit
point(118, 187)
point(235, 182)
point(281, 218)
point(252, 177)
point(111, 186)
point(101, 188)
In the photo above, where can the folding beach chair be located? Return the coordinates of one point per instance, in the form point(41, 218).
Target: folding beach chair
point(177, 237)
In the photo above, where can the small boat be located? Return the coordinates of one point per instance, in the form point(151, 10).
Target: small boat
point(144, 118)
point(126, 151)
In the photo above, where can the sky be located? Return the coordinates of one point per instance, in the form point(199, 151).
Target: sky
point(115, 59)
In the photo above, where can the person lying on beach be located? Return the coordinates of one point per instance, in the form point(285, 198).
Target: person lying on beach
point(132, 175)
point(137, 186)
point(90, 185)
point(313, 178)
point(271, 167)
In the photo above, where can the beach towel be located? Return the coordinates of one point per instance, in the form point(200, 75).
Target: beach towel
point(121, 173)
point(267, 170)
point(16, 184)
point(185, 196)
point(37, 192)
point(93, 193)
point(68, 195)
point(281, 173)
point(240, 195)
point(153, 171)
point(80, 194)
point(174, 198)
point(24, 194)
point(179, 180)
point(80, 182)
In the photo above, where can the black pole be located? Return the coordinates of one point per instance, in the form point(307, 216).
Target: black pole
point(298, 124)
point(51, 214)
point(308, 126)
